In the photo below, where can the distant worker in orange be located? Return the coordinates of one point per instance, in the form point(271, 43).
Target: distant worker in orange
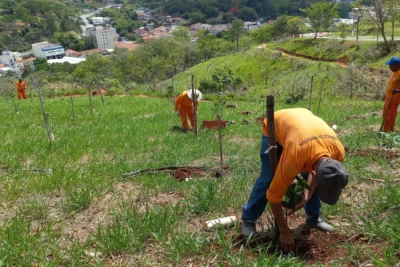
point(184, 106)
point(392, 99)
point(21, 89)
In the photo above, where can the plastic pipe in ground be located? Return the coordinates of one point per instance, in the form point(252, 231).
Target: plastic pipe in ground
point(221, 222)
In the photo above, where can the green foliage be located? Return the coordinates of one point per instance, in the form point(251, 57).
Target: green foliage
point(389, 140)
point(78, 199)
point(295, 191)
point(343, 30)
point(320, 15)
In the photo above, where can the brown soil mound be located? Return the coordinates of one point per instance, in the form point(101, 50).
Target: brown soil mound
point(231, 106)
point(182, 173)
point(245, 112)
point(102, 92)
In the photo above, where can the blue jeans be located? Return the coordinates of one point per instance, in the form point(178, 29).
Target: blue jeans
point(258, 199)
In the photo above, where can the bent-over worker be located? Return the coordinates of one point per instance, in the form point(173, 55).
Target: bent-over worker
point(392, 99)
point(184, 106)
point(21, 89)
point(305, 144)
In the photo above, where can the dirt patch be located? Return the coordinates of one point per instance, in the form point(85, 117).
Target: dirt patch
point(164, 199)
point(99, 92)
point(376, 152)
point(363, 116)
point(243, 141)
point(82, 224)
point(182, 174)
point(145, 116)
point(246, 112)
point(231, 106)
point(314, 246)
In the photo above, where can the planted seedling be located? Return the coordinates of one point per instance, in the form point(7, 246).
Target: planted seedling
point(294, 192)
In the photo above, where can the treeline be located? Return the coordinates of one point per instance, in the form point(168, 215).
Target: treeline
point(226, 10)
point(24, 22)
point(150, 64)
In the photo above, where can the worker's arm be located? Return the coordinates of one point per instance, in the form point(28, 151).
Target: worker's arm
point(178, 101)
point(287, 167)
point(286, 238)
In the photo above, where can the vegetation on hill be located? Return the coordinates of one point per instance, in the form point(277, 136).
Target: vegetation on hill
point(25, 22)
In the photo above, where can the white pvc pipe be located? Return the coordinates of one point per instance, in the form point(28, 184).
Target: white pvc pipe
point(221, 222)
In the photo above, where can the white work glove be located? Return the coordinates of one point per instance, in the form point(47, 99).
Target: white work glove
point(177, 113)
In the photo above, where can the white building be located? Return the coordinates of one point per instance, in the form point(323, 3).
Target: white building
point(70, 60)
point(100, 20)
point(13, 61)
point(8, 58)
point(104, 36)
point(47, 50)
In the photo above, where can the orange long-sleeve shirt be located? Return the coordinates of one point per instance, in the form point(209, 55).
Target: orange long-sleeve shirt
point(305, 138)
point(392, 85)
point(184, 101)
point(21, 85)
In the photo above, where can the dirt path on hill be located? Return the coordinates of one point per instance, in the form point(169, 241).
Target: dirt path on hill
point(341, 61)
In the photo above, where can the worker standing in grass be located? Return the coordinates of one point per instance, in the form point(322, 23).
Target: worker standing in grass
point(184, 106)
point(305, 144)
point(392, 99)
point(21, 89)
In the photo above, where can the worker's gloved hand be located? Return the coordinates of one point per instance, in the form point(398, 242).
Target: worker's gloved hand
point(177, 113)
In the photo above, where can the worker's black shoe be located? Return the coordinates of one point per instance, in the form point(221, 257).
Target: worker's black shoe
point(319, 223)
point(248, 229)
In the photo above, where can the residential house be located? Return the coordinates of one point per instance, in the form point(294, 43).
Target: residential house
point(13, 61)
point(47, 50)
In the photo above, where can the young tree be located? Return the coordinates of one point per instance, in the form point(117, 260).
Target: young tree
point(358, 15)
point(320, 15)
point(380, 14)
point(181, 33)
point(236, 30)
point(343, 30)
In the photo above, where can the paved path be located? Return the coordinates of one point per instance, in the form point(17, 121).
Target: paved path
point(87, 24)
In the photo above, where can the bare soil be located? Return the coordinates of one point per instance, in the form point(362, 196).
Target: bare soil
point(377, 152)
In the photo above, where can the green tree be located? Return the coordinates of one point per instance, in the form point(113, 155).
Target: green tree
point(380, 14)
point(247, 14)
point(358, 15)
point(8, 6)
point(181, 33)
point(21, 13)
point(236, 30)
point(320, 15)
point(343, 30)
point(343, 10)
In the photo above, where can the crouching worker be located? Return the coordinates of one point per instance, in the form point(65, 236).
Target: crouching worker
point(184, 106)
point(305, 144)
point(21, 89)
point(392, 99)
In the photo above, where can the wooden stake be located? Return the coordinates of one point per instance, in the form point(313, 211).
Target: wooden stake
point(173, 87)
point(194, 108)
point(221, 159)
point(272, 149)
point(102, 99)
point(90, 100)
point(320, 94)
point(73, 111)
point(292, 98)
point(45, 116)
point(311, 88)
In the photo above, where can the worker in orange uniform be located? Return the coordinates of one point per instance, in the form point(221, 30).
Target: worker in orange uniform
point(392, 99)
point(305, 143)
point(184, 106)
point(21, 89)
